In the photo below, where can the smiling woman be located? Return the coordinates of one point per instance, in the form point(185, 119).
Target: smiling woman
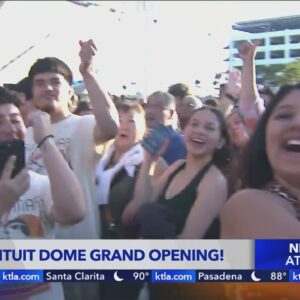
point(186, 201)
point(271, 174)
point(118, 195)
point(270, 206)
point(118, 169)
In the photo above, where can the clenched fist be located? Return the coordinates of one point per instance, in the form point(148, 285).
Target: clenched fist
point(247, 50)
point(87, 52)
point(41, 124)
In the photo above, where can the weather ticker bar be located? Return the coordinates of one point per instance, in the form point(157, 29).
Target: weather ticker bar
point(151, 276)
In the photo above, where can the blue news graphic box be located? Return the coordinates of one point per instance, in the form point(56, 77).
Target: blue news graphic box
point(277, 254)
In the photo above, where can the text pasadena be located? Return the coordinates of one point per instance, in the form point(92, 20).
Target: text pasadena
point(77, 276)
point(219, 277)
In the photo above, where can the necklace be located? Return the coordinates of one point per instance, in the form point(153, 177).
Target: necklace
point(276, 188)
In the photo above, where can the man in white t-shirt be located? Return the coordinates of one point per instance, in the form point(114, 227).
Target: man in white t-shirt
point(75, 136)
point(32, 204)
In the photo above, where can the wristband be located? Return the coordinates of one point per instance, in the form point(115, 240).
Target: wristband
point(44, 139)
point(231, 97)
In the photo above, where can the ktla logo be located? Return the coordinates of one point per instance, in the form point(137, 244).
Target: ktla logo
point(295, 276)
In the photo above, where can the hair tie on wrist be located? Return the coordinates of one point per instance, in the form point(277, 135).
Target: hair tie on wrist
point(44, 139)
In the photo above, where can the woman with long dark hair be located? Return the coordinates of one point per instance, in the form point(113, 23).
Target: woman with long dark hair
point(271, 168)
point(239, 137)
point(188, 197)
point(185, 202)
point(269, 207)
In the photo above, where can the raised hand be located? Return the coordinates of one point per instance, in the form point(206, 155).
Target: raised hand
point(41, 123)
point(155, 143)
point(247, 50)
point(233, 87)
point(87, 52)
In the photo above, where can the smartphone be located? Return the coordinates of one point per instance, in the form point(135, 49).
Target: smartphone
point(157, 138)
point(7, 149)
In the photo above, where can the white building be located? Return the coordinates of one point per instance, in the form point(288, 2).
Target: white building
point(279, 40)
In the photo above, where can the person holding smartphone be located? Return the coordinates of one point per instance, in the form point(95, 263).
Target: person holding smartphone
point(161, 109)
point(187, 189)
point(32, 204)
point(117, 194)
point(187, 199)
point(118, 169)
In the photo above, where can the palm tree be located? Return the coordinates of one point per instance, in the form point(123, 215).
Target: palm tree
point(269, 75)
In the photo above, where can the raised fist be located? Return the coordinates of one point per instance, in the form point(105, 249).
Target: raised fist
point(247, 50)
point(87, 52)
point(41, 124)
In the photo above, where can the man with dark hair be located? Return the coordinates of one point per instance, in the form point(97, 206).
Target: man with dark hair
point(53, 65)
point(211, 102)
point(32, 204)
point(23, 86)
point(23, 91)
point(76, 136)
point(179, 91)
point(9, 97)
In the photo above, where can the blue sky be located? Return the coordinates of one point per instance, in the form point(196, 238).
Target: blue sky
point(184, 44)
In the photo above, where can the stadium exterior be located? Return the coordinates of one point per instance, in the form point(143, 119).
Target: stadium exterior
point(279, 40)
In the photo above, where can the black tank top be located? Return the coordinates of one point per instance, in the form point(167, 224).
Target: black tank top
point(182, 202)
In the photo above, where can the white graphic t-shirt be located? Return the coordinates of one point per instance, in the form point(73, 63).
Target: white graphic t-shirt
point(30, 218)
point(74, 136)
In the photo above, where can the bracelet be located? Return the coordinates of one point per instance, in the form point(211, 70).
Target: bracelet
point(44, 139)
point(231, 97)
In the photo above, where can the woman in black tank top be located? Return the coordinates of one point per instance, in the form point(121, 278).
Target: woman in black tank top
point(189, 196)
point(182, 202)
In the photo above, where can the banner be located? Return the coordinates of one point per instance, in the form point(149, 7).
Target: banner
point(126, 254)
point(138, 276)
point(152, 261)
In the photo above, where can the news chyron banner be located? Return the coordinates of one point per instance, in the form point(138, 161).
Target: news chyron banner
point(126, 254)
point(153, 261)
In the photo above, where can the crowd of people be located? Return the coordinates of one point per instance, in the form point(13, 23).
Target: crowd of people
point(229, 169)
